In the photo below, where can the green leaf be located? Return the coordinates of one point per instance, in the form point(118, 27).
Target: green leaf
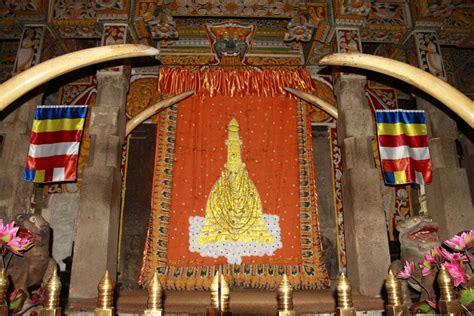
point(466, 296)
point(422, 308)
point(16, 302)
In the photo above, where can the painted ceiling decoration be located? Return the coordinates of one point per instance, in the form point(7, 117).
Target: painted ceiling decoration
point(285, 32)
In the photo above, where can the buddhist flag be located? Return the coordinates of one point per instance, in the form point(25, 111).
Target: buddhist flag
point(403, 146)
point(54, 145)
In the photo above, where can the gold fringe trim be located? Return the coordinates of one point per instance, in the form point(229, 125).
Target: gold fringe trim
point(233, 82)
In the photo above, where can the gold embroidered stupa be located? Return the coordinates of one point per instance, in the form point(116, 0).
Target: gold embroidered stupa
point(234, 209)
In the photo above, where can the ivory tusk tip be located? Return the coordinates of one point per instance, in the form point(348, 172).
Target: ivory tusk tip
point(151, 51)
point(188, 93)
point(328, 59)
point(323, 61)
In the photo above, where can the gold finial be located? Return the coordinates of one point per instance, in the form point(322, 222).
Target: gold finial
point(344, 292)
point(448, 303)
point(445, 285)
point(106, 292)
point(3, 286)
point(53, 290)
point(155, 293)
point(154, 304)
point(395, 306)
point(394, 289)
point(285, 295)
point(344, 297)
point(215, 291)
point(225, 296)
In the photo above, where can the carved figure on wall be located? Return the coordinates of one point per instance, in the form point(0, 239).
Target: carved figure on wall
point(114, 34)
point(348, 41)
point(418, 235)
point(28, 53)
point(36, 265)
point(430, 55)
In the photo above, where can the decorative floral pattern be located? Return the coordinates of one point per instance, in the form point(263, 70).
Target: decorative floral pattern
point(249, 8)
point(300, 28)
point(336, 160)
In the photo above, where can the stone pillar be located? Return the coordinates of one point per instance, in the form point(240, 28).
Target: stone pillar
point(367, 244)
point(448, 197)
point(97, 227)
point(15, 129)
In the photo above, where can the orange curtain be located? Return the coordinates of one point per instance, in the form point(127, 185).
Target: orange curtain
point(191, 153)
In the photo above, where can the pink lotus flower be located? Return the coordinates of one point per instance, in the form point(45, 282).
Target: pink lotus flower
point(461, 242)
point(457, 272)
point(454, 256)
point(7, 232)
point(18, 245)
point(9, 238)
point(426, 268)
point(437, 253)
point(408, 270)
point(429, 258)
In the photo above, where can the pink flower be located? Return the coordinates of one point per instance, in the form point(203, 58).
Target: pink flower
point(457, 272)
point(454, 256)
point(437, 253)
point(18, 245)
point(461, 242)
point(426, 268)
point(430, 258)
point(7, 232)
point(9, 238)
point(408, 270)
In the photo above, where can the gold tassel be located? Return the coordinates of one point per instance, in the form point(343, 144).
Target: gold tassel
point(344, 297)
point(105, 296)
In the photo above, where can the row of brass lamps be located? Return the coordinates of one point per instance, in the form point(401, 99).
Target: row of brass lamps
point(220, 297)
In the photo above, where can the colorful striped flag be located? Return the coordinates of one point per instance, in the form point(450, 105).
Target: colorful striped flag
point(403, 146)
point(54, 145)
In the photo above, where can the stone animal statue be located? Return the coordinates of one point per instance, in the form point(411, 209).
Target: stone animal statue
point(36, 265)
point(418, 235)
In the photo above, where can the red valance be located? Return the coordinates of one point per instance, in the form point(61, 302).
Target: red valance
point(233, 82)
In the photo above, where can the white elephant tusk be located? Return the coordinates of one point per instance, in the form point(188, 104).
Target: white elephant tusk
point(437, 88)
point(33, 77)
point(145, 114)
point(314, 100)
